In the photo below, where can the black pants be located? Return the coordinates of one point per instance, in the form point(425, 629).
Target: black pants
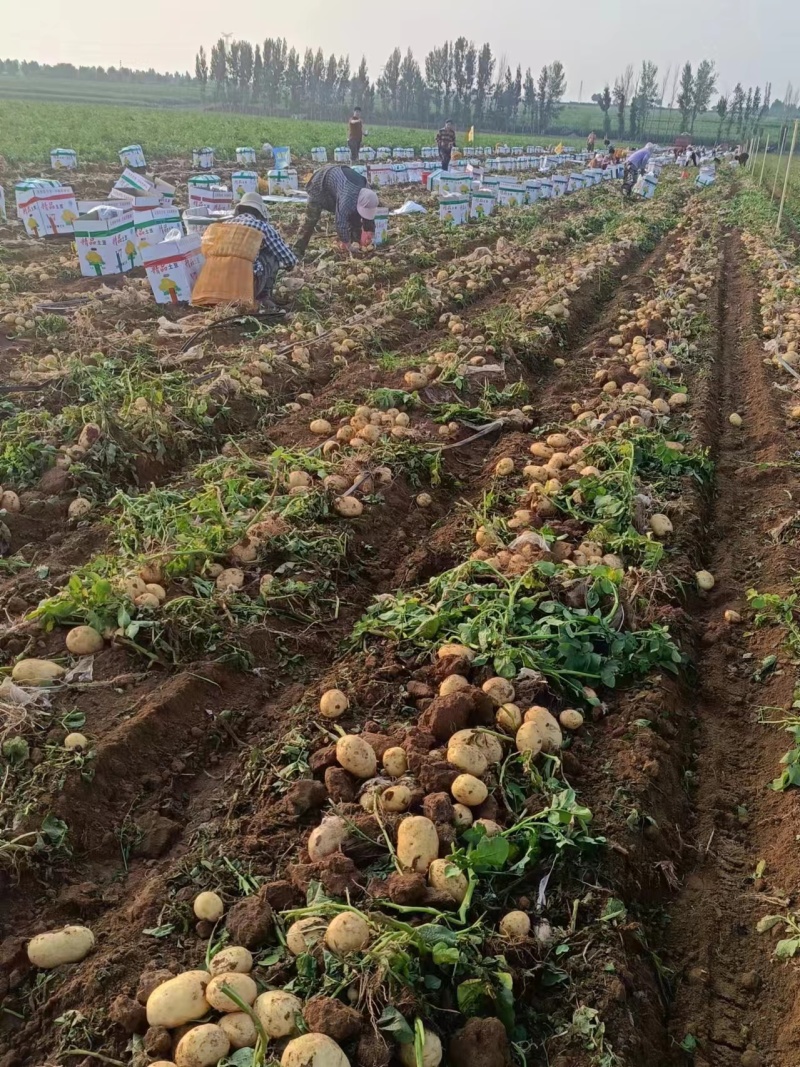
point(355, 147)
point(313, 215)
point(444, 156)
point(265, 273)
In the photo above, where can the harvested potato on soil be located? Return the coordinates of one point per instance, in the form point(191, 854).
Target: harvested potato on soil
point(508, 718)
point(333, 704)
point(179, 1000)
point(36, 672)
point(313, 1050)
point(277, 1012)
point(529, 739)
point(304, 934)
point(445, 877)
point(705, 580)
point(570, 719)
point(469, 790)
point(417, 843)
point(68, 945)
point(209, 906)
point(467, 758)
point(241, 984)
point(431, 1052)
point(515, 925)
point(203, 1046)
point(327, 837)
point(395, 762)
point(231, 958)
point(76, 742)
point(547, 725)
point(396, 798)
point(356, 756)
point(347, 932)
point(84, 641)
point(239, 1029)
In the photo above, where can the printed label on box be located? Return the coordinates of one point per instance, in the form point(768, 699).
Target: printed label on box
point(381, 226)
point(173, 267)
point(243, 181)
point(152, 227)
point(45, 207)
point(454, 209)
point(481, 204)
point(106, 246)
point(203, 158)
point(63, 159)
point(132, 156)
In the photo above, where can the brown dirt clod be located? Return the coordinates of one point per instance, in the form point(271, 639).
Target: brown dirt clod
point(326, 1015)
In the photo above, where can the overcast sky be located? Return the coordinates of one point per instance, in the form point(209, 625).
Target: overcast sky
point(751, 42)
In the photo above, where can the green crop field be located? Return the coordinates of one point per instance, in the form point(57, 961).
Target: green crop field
point(29, 130)
point(773, 170)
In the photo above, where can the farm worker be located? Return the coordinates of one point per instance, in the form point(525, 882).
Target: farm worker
point(639, 160)
point(273, 254)
point(355, 134)
point(344, 192)
point(610, 150)
point(446, 142)
point(590, 141)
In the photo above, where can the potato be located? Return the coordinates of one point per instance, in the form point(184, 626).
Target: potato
point(396, 798)
point(490, 827)
point(442, 875)
point(320, 427)
point(548, 727)
point(242, 985)
point(508, 718)
point(455, 650)
point(356, 756)
point(705, 580)
point(348, 506)
point(431, 1052)
point(452, 684)
point(504, 467)
point(314, 1050)
point(239, 1029)
point(462, 816)
point(9, 501)
point(303, 935)
point(203, 1046)
point(68, 945)
point(227, 580)
point(74, 742)
point(327, 837)
point(500, 691)
point(277, 1012)
point(298, 479)
point(488, 745)
point(529, 738)
point(660, 525)
point(333, 703)
point(417, 843)
point(735, 419)
point(36, 672)
point(231, 958)
point(209, 906)
point(469, 790)
point(347, 932)
point(83, 641)
point(424, 500)
point(179, 1000)
point(515, 925)
point(395, 762)
point(571, 719)
point(732, 616)
point(467, 758)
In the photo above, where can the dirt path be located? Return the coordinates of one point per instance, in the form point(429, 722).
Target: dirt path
point(733, 1001)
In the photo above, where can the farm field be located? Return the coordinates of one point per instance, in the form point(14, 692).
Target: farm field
point(30, 130)
point(416, 667)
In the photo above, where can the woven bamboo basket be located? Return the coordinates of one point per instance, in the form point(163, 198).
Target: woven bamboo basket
point(227, 274)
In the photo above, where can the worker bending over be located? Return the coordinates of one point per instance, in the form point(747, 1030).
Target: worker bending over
point(274, 252)
point(344, 192)
point(446, 142)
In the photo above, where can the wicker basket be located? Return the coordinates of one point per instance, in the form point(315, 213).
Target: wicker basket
point(227, 274)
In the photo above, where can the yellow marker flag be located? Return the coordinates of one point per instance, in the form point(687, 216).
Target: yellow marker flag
point(559, 149)
point(471, 135)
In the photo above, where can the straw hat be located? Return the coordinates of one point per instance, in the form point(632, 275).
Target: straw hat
point(368, 204)
point(254, 201)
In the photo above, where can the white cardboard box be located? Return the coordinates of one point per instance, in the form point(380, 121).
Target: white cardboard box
point(106, 246)
point(510, 195)
point(45, 207)
point(341, 155)
point(203, 158)
point(173, 267)
point(152, 226)
point(132, 156)
point(454, 209)
point(482, 203)
point(560, 185)
point(319, 155)
point(3, 215)
point(243, 181)
point(282, 182)
point(381, 225)
point(63, 159)
point(245, 155)
point(207, 191)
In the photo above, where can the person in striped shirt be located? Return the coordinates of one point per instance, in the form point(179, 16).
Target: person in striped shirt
point(273, 255)
point(345, 193)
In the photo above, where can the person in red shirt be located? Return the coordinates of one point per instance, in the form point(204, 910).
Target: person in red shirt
point(355, 134)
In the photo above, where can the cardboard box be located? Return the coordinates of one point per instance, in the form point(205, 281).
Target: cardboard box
point(131, 182)
point(153, 226)
point(574, 183)
point(106, 245)
point(455, 183)
point(173, 267)
point(510, 195)
point(366, 155)
point(45, 207)
point(341, 155)
point(414, 172)
point(454, 209)
point(203, 158)
point(132, 156)
point(560, 185)
point(245, 155)
point(319, 155)
point(243, 181)
point(208, 191)
point(402, 153)
point(430, 153)
point(63, 159)
point(380, 174)
point(482, 203)
point(545, 188)
point(381, 225)
point(382, 154)
point(282, 182)
point(532, 189)
point(3, 215)
point(649, 183)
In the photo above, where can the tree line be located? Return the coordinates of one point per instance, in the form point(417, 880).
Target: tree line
point(456, 79)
